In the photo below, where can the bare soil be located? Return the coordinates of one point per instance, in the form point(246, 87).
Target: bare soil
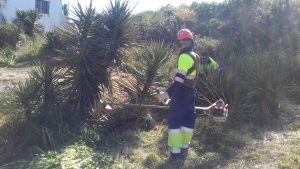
point(11, 76)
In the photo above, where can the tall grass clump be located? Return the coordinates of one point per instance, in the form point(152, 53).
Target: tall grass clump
point(251, 85)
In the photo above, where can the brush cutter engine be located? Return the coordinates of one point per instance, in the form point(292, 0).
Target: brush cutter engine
point(219, 111)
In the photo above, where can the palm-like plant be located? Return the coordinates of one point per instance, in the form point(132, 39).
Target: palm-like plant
point(146, 71)
point(118, 34)
point(41, 91)
point(27, 21)
point(91, 45)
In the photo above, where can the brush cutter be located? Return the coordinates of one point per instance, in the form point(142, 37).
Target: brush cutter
point(217, 110)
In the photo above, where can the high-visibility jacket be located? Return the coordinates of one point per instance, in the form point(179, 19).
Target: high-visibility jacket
point(188, 67)
point(211, 65)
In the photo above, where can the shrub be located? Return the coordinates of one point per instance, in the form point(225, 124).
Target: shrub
point(147, 70)
point(7, 57)
point(251, 85)
point(27, 21)
point(9, 36)
point(31, 50)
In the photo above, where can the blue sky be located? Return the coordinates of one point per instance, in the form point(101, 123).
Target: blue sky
point(141, 5)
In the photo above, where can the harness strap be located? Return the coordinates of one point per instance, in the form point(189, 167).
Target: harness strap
point(196, 66)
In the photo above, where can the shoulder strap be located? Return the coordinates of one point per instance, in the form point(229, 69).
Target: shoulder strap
point(196, 65)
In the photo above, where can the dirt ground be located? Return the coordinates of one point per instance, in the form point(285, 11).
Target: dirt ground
point(11, 76)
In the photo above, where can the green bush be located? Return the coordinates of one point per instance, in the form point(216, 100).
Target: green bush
point(146, 70)
point(7, 57)
point(250, 85)
point(26, 21)
point(31, 49)
point(9, 36)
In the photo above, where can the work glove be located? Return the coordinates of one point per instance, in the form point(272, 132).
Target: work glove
point(162, 97)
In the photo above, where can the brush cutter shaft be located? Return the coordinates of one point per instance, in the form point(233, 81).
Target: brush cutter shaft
point(153, 106)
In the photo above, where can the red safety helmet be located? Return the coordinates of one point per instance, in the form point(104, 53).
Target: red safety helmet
point(184, 34)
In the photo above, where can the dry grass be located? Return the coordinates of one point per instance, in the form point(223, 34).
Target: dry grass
point(10, 76)
point(269, 152)
point(273, 149)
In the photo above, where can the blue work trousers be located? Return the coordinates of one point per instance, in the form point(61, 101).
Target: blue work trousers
point(182, 109)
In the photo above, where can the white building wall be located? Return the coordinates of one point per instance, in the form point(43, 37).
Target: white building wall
point(49, 21)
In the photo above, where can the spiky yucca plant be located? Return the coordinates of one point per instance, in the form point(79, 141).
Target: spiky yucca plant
point(41, 91)
point(146, 70)
point(92, 44)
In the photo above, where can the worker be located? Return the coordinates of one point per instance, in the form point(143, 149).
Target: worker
point(181, 117)
point(207, 67)
point(207, 64)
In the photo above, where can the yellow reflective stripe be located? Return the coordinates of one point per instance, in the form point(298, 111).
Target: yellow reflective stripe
point(179, 79)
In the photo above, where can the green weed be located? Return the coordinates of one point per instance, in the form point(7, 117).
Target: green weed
point(7, 57)
point(74, 156)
